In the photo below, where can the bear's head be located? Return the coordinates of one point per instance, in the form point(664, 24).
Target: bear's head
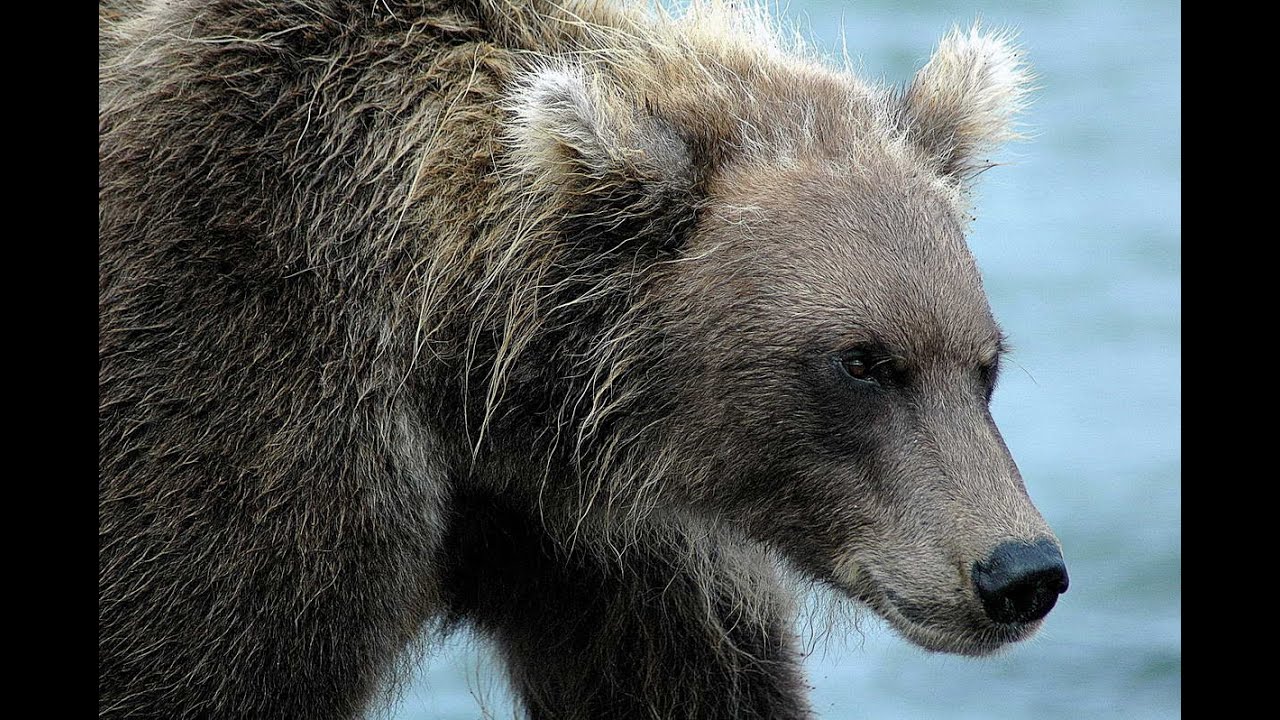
point(791, 336)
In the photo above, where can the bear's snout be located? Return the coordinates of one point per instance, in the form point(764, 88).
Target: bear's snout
point(1020, 582)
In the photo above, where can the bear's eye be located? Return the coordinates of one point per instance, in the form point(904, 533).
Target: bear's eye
point(989, 373)
point(870, 365)
point(856, 367)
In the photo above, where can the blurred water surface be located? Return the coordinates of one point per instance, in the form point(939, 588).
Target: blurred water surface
point(1079, 239)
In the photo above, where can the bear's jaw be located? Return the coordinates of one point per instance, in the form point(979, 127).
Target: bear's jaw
point(974, 635)
point(955, 625)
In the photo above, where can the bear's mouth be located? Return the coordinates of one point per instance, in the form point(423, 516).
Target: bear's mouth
point(965, 635)
point(950, 627)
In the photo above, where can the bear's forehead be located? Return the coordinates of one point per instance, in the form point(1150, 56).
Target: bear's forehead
point(840, 250)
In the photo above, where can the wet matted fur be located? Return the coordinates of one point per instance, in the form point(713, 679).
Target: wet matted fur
point(530, 316)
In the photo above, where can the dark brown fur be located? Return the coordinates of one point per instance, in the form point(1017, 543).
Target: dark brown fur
point(500, 313)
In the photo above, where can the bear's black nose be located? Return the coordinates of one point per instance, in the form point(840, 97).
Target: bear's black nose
point(1020, 582)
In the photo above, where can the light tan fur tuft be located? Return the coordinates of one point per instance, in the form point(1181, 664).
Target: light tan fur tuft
point(964, 101)
point(558, 115)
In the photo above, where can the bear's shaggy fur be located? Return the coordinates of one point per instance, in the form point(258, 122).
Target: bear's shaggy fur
point(517, 313)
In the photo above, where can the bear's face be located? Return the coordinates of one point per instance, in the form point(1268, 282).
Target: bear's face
point(841, 365)
point(817, 333)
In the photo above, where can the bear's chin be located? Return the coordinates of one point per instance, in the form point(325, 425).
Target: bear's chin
point(960, 633)
point(964, 636)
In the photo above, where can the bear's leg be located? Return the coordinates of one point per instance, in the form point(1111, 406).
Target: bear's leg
point(656, 634)
point(213, 610)
point(266, 635)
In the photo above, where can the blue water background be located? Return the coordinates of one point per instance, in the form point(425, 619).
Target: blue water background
point(1079, 239)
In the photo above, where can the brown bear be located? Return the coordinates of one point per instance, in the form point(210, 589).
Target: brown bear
point(576, 323)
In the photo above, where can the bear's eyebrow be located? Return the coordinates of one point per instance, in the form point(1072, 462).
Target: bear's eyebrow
point(866, 338)
point(1003, 347)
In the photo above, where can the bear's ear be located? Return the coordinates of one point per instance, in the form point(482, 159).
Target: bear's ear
point(963, 101)
point(617, 168)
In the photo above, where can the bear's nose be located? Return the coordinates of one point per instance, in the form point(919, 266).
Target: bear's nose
point(1020, 582)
